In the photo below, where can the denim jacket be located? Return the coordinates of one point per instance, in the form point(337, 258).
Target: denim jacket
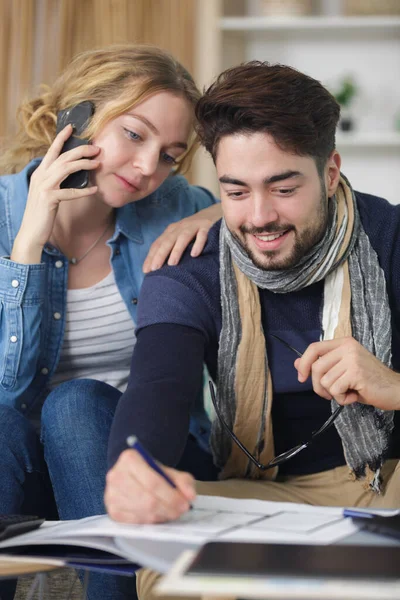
point(33, 297)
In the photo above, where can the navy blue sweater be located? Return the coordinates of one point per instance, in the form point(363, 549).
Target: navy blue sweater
point(179, 323)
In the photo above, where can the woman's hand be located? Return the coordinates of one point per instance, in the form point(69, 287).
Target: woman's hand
point(173, 242)
point(343, 369)
point(45, 195)
point(135, 493)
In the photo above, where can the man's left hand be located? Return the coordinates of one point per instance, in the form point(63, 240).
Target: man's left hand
point(345, 370)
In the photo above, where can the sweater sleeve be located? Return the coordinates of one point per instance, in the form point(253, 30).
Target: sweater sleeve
point(166, 376)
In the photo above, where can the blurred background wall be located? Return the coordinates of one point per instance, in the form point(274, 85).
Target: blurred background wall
point(352, 46)
point(39, 37)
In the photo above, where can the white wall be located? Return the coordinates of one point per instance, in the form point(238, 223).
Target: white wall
point(372, 55)
point(375, 64)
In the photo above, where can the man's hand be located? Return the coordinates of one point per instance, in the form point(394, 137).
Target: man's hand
point(173, 242)
point(345, 370)
point(135, 493)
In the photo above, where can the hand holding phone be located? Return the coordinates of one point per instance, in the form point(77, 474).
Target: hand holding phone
point(61, 176)
point(78, 116)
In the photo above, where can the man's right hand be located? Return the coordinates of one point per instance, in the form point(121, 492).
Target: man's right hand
point(135, 493)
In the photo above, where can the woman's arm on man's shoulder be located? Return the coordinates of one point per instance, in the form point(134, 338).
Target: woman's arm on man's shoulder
point(170, 245)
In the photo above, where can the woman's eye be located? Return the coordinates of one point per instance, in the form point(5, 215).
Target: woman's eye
point(167, 158)
point(131, 134)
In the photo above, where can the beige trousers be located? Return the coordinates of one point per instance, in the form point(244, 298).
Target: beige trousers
point(329, 488)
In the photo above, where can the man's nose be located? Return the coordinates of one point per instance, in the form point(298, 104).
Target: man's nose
point(263, 211)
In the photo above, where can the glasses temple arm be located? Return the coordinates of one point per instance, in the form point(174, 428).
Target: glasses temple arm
point(287, 345)
point(228, 429)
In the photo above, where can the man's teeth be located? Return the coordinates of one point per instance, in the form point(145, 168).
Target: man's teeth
point(270, 237)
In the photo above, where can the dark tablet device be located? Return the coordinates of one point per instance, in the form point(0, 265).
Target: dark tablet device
point(11, 525)
point(239, 559)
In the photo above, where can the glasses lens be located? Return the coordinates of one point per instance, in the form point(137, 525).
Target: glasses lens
point(286, 455)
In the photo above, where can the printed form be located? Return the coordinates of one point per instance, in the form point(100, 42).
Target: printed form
point(215, 517)
point(211, 518)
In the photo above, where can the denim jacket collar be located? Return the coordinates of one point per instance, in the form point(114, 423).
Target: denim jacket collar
point(128, 223)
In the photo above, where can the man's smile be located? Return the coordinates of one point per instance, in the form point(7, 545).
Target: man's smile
point(270, 241)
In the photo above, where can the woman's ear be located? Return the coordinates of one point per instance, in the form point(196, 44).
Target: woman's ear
point(332, 173)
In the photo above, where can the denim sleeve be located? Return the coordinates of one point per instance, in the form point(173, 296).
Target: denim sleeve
point(202, 198)
point(22, 289)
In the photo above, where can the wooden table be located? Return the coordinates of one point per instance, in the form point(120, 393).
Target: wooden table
point(14, 566)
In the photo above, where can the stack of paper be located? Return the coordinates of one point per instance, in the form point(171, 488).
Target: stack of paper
point(212, 518)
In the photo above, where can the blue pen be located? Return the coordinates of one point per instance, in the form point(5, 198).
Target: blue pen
point(133, 442)
point(353, 512)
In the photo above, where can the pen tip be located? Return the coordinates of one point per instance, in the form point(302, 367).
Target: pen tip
point(131, 440)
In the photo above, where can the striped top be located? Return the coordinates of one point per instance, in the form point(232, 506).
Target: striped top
point(99, 336)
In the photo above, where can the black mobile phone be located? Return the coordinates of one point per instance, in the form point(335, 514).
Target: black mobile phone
point(78, 116)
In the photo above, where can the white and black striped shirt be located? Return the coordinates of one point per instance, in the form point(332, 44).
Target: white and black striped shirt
point(99, 336)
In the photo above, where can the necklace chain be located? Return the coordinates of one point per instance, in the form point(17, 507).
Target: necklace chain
point(75, 260)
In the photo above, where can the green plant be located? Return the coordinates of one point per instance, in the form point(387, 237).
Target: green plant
point(346, 91)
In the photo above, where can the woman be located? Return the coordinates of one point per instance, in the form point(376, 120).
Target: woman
point(72, 268)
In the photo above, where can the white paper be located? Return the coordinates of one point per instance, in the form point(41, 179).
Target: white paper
point(212, 517)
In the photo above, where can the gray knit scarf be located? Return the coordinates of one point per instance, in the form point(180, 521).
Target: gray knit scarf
point(364, 430)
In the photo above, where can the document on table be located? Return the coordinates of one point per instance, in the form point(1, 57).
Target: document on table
point(212, 518)
point(224, 518)
point(215, 517)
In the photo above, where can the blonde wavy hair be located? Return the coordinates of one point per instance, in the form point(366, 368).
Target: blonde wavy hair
point(115, 79)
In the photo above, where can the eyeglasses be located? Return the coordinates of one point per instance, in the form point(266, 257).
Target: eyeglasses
point(281, 458)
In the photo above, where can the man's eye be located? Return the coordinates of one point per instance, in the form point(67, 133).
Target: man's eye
point(234, 194)
point(167, 158)
point(131, 134)
point(286, 191)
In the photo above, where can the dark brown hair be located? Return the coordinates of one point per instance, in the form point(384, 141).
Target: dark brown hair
point(295, 109)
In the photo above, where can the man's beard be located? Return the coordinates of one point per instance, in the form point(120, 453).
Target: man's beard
point(302, 242)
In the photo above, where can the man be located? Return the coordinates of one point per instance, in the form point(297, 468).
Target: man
point(301, 263)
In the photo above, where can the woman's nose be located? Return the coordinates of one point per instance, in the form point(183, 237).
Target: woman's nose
point(146, 161)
